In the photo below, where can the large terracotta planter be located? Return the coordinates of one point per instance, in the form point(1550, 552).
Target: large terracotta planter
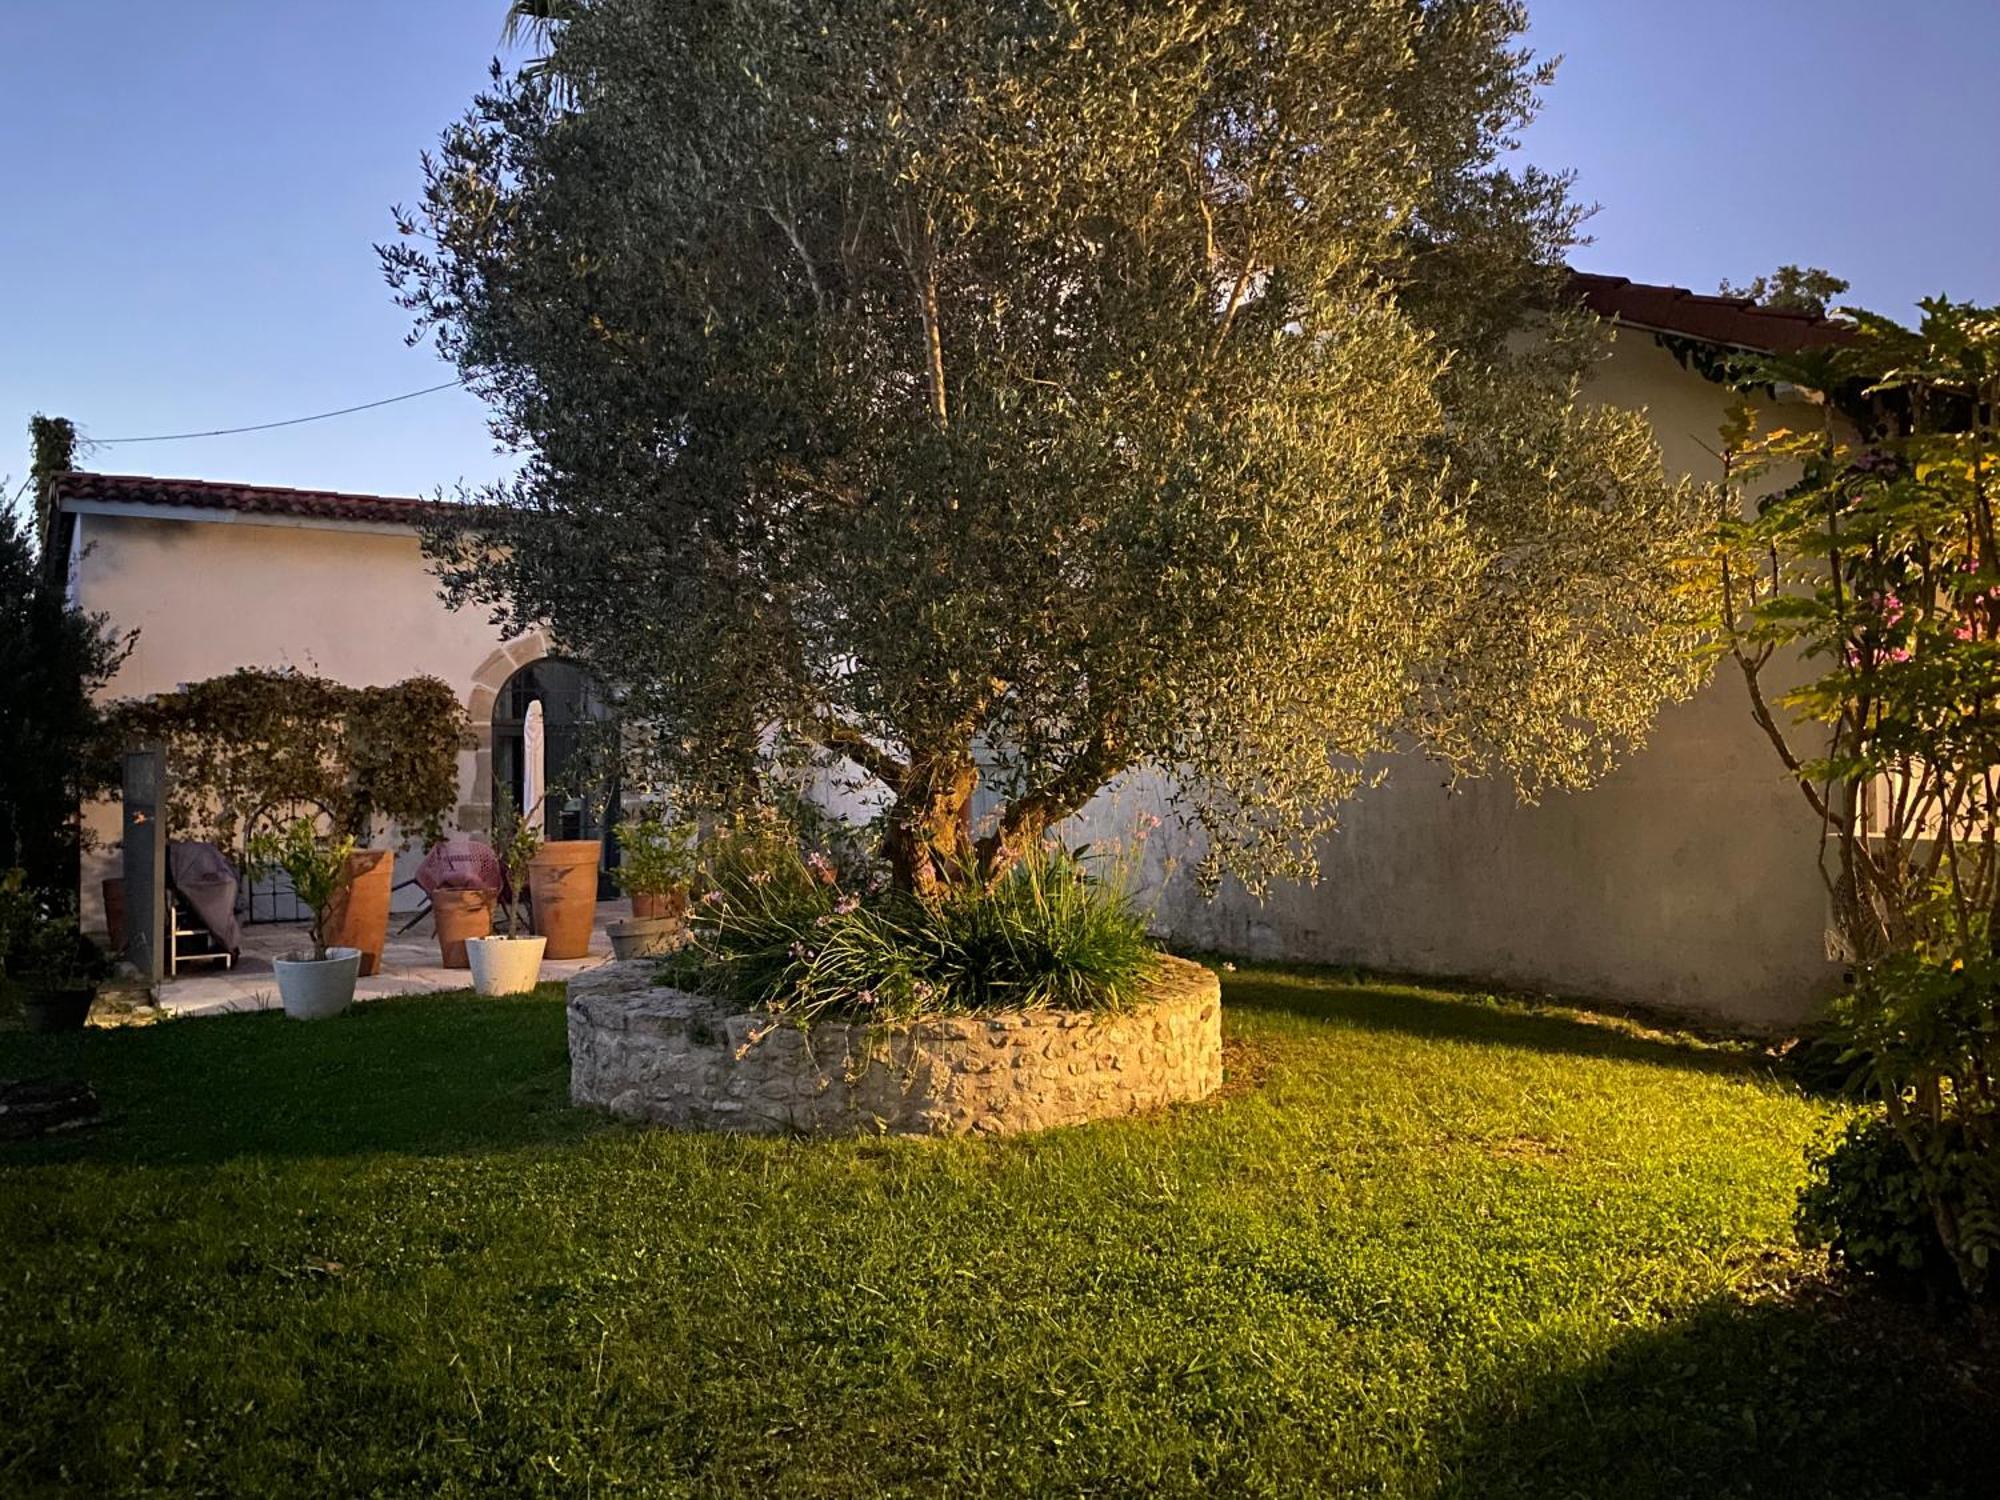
point(359, 915)
point(562, 884)
point(649, 904)
point(459, 915)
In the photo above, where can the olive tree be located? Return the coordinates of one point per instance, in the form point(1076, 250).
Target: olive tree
point(1028, 391)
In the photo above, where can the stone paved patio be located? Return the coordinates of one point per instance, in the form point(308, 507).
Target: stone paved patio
point(409, 967)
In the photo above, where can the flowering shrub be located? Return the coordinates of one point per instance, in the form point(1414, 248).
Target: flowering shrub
point(1880, 566)
point(789, 932)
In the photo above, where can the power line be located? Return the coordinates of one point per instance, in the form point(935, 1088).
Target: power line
point(175, 437)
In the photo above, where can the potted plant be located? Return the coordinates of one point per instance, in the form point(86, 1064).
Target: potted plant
point(562, 882)
point(656, 869)
point(510, 965)
point(460, 913)
point(56, 965)
point(359, 916)
point(320, 982)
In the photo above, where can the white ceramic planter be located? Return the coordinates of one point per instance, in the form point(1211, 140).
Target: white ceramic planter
point(505, 966)
point(313, 989)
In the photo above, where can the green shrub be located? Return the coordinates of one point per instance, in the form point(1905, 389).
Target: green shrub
point(788, 932)
point(1865, 1204)
point(656, 856)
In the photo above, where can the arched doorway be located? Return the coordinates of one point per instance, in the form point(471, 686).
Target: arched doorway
point(576, 721)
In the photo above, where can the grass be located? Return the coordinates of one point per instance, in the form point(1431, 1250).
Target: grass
point(1423, 1244)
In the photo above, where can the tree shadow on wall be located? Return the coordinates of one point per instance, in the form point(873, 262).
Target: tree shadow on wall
point(1821, 1395)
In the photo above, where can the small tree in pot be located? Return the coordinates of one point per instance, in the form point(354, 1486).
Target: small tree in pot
point(657, 870)
point(319, 982)
point(510, 965)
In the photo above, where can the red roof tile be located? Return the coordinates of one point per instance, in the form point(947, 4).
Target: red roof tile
point(251, 499)
point(1734, 322)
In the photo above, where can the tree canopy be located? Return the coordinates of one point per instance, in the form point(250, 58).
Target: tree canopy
point(1023, 391)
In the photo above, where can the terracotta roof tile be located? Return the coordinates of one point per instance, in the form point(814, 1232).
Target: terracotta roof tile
point(252, 499)
point(1734, 322)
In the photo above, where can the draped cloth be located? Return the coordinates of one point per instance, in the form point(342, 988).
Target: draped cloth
point(206, 881)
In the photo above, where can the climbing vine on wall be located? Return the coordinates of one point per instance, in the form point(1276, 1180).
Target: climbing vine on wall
point(254, 744)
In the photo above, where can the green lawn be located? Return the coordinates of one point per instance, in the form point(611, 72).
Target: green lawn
point(1424, 1244)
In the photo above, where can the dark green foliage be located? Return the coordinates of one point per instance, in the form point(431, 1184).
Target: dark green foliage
point(1420, 1246)
point(256, 745)
point(1866, 1204)
point(1877, 564)
point(1000, 395)
point(785, 932)
point(1793, 289)
point(53, 658)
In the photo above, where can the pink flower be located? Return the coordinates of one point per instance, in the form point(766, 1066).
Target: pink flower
point(712, 898)
point(847, 906)
point(822, 867)
point(864, 997)
point(760, 877)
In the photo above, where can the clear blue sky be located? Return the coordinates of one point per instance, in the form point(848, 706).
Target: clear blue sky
point(191, 192)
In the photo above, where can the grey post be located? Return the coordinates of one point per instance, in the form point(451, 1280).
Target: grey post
point(146, 861)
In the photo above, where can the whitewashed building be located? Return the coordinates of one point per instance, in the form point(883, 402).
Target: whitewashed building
point(1686, 879)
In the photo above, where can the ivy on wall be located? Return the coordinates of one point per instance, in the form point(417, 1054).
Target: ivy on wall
point(254, 744)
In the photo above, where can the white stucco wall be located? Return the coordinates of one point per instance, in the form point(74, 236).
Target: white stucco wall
point(1685, 879)
point(213, 591)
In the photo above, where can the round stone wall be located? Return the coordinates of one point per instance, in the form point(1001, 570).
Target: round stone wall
point(647, 1052)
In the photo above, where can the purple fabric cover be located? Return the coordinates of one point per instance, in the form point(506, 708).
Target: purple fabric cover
point(206, 880)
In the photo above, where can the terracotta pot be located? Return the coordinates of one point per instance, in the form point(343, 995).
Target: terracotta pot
point(649, 904)
point(359, 916)
point(459, 915)
point(562, 884)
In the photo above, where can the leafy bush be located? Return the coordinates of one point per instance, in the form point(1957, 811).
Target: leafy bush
point(657, 855)
point(250, 741)
point(516, 840)
point(41, 943)
point(783, 931)
point(1876, 563)
point(1866, 1204)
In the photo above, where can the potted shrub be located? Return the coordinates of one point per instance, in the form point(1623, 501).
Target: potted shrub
point(320, 982)
point(56, 966)
point(510, 965)
point(656, 869)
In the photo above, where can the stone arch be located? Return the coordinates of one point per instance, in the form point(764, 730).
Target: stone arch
point(475, 810)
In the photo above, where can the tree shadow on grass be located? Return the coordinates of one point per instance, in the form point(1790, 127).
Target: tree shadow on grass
point(1819, 1395)
point(424, 1075)
point(1483, 1017)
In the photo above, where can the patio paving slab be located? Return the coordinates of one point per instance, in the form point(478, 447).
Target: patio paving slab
point(409, 967)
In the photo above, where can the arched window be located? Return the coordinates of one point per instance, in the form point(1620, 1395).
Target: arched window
point(576, 718)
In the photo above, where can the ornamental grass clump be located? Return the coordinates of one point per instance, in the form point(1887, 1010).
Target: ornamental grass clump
point(787, 932)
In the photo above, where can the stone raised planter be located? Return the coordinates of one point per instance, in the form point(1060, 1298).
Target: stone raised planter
point(647, 1052)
